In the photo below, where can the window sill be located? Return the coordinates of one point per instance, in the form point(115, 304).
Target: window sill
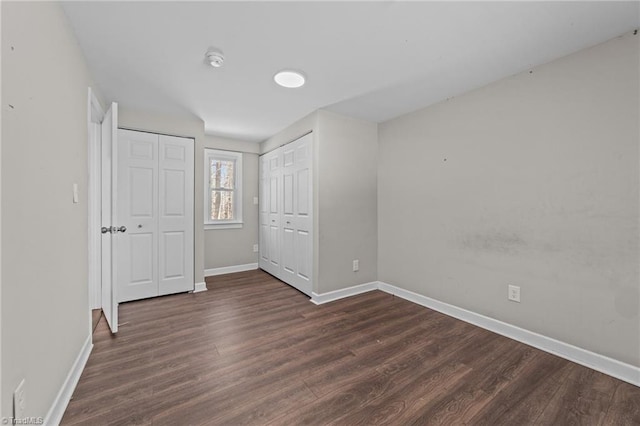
point(237, 225)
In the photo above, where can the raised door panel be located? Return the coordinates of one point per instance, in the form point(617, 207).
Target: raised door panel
point(142, 262)
point(264, 244)
point(288, 253)
point(303, 195)
point(141, 197)
point(174, 259)
point(288, 193)
point(274, 205)
point(274, 249)
point(303, 256)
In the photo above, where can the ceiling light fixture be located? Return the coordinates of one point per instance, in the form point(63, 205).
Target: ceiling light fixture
point(290, 79)
point(214, 57)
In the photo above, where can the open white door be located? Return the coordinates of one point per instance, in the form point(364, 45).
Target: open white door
point(109, 146)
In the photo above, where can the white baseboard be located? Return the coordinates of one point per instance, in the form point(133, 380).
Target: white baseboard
point(319, 299)
point(200, 287)
point(230, 269)
point(601, 363)
point(620, 370)
point(54, 416)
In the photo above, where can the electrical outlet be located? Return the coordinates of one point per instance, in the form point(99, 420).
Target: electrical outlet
point(255, 248)
point(20, 401)
point(514, 293)
point(356, 265)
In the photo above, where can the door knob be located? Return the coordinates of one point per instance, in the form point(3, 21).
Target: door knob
point(122, 229)
point(108, 229)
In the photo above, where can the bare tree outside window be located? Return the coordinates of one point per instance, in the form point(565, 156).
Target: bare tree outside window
point(222, 189)
point(222, 185)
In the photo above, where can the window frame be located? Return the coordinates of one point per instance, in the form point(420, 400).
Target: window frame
point(237, 221)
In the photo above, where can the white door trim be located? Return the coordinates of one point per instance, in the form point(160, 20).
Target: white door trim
point(95, 114)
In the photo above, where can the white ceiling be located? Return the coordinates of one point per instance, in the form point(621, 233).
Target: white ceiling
point(372, 60)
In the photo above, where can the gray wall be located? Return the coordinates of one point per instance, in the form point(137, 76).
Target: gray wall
point(45, 307)
point(532, 181)
point(231, 247)
point(347, 211)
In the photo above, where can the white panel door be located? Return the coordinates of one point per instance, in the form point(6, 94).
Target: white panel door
point(175, 215)
point(137, 198)
point(263, 194)
point(302, 211)
point(286, 243)
point(108, 148)
point(287, 218)
point(297, 245)
point(274, 161)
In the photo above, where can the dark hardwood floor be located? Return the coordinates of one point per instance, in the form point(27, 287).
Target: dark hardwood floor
point(252, 350)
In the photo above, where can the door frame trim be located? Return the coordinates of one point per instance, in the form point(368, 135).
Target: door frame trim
point(95, 114)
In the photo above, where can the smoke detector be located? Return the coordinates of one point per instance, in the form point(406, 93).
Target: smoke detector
point(214, 57)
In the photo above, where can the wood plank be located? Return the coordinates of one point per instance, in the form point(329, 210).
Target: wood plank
point(624, 408)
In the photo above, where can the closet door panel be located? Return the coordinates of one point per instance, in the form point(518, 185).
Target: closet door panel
point(288, 267)
point(137, 256)
point(274, 250)
point(264, 205)
point(303, 256)
point(302, 212)
point(175, 214)
point(270, 210)
point(288, 254)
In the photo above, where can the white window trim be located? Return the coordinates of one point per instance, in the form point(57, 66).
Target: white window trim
point(237, 201)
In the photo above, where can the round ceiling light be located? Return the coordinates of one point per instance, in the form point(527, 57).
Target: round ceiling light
point(214, 57)
point(289, 79)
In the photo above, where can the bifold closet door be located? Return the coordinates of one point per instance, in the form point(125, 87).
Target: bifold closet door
point(296, 223)
point(286, 243)
point(137, 255)
point(155, 204)
point(175, 215)
point(263, 189)
point(270, 211)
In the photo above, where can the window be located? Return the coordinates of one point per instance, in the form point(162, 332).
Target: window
point(223, 189)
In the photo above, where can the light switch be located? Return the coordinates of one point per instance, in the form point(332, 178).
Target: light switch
point(255, 201)
point(75, 193)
